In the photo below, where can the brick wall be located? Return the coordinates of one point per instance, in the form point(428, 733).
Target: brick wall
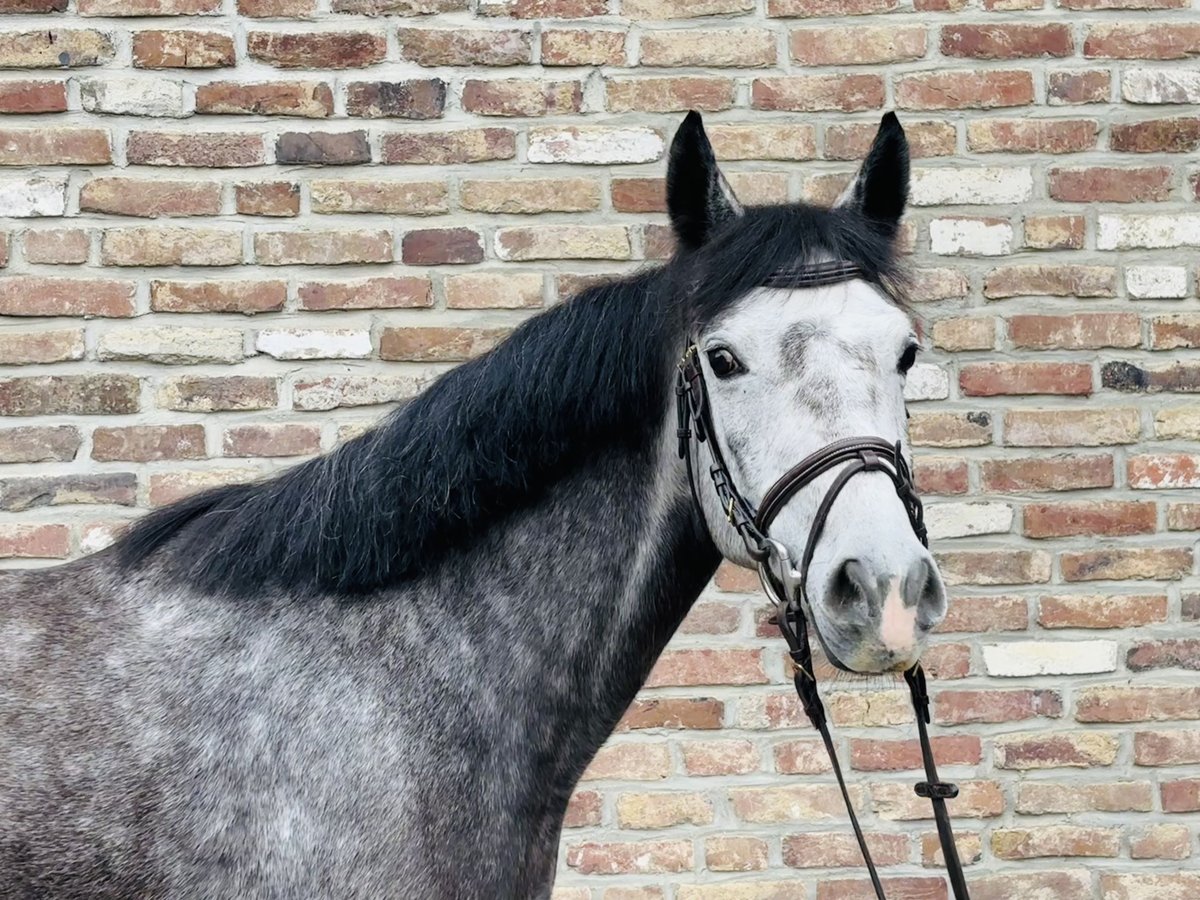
point(239, 228)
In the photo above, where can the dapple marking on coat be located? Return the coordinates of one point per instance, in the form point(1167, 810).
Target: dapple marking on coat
point(382, 672)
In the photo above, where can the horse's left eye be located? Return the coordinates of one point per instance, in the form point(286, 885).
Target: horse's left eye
point(723, 362)
point(907, 358)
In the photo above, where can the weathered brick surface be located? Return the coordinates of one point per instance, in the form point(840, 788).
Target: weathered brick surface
point(239, 229)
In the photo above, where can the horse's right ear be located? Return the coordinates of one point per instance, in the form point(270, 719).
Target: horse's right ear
point(699, 199)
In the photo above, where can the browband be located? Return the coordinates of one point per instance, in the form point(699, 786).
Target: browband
point(833, 272)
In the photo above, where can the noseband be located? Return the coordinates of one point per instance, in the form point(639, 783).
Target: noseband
point(785, 585)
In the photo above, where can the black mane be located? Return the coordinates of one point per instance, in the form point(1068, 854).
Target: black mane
point(589, 374)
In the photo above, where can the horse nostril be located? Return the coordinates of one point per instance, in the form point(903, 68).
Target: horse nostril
point(851, 584)
point(923, 589)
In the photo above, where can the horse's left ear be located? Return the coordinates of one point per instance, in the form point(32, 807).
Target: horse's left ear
point(699, 199)
point(880, 189)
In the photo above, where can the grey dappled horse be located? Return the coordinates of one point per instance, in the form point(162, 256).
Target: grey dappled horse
point(381, 673)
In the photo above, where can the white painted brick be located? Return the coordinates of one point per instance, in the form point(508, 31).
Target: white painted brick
point(951, 520)
point(970, 185)
point(970, 237)
point(1161, 86)
point(314, 343)
point(1016, 659)
point(594, 145)
point(1121, 232)
point(173, 345)
point(926, 382)
point(1156, 282)
point(23, 198)
point(133, 96)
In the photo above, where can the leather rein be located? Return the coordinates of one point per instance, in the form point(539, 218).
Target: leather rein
point(785, 586)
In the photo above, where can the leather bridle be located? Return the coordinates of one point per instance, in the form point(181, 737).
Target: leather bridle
point(785, 585)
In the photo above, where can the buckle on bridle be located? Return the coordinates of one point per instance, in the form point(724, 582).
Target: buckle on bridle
point(936, 790)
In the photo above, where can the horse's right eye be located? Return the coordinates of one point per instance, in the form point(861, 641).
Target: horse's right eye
point(723, 362)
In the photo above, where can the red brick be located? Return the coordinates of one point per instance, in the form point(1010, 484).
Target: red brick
point(1032, 135)
point(441, 246)
point(1111, 518)
point(953, 429)
point(322, 148)
point(450, 147)
point(1116, 563)
point(982, 614)
point(1055, 232)
point(1081, 331)
point(521, 97)
point(1181, 653)
point(832, 849)
point(205, 150)
point(32, 6)
point(990, 567)
point(827, 8)
point(807, 93)
point(1017, 885)
point(992, 379)
point(720, 757)
point(466, 47)
point(275, 439)
point(318, 50)
point(1008, 41)
point(585, 808)
point(1166, 748)
point(218, 393)
point(148, 443)
point(183, 50)
point(582, 47)
point(856, 45)
point(34, 541)
point(438, 344)
point(313, 100)
point(1040, 797)
point(267, 198)
point(217, 296)
point(1152, 471)
point(322, 248)
point(1102, 611)
point(672, 712)
point(54, 147)
point(959, 89)
point(1055, 840)
point(277, 9)
point(1183, 377)
point(669, 94)
point(1058, 473)
point(1181, 796)
point(703, 666)
point(1051, 281)
point(959, 707)
point(1067, 428)
point(1123, 40)
point(907, 888)
point(81, 395)
point(735, 854)
point(1071, 87)
point(147, 7)
point(1137, 704)
point(39, 443)
point(545, 9)
point(417, 98)
point(170, 246)
point(33, 97)
point(35, 295)
point(150, 197)
point(872, 755)
point(1178, 135)
point(405, 292)
point(641, 856)
point(940, 476)
point(57, 246)
point(1110, 184)
point(1161, 842)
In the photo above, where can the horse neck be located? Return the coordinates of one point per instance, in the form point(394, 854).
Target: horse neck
point(582, 593)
